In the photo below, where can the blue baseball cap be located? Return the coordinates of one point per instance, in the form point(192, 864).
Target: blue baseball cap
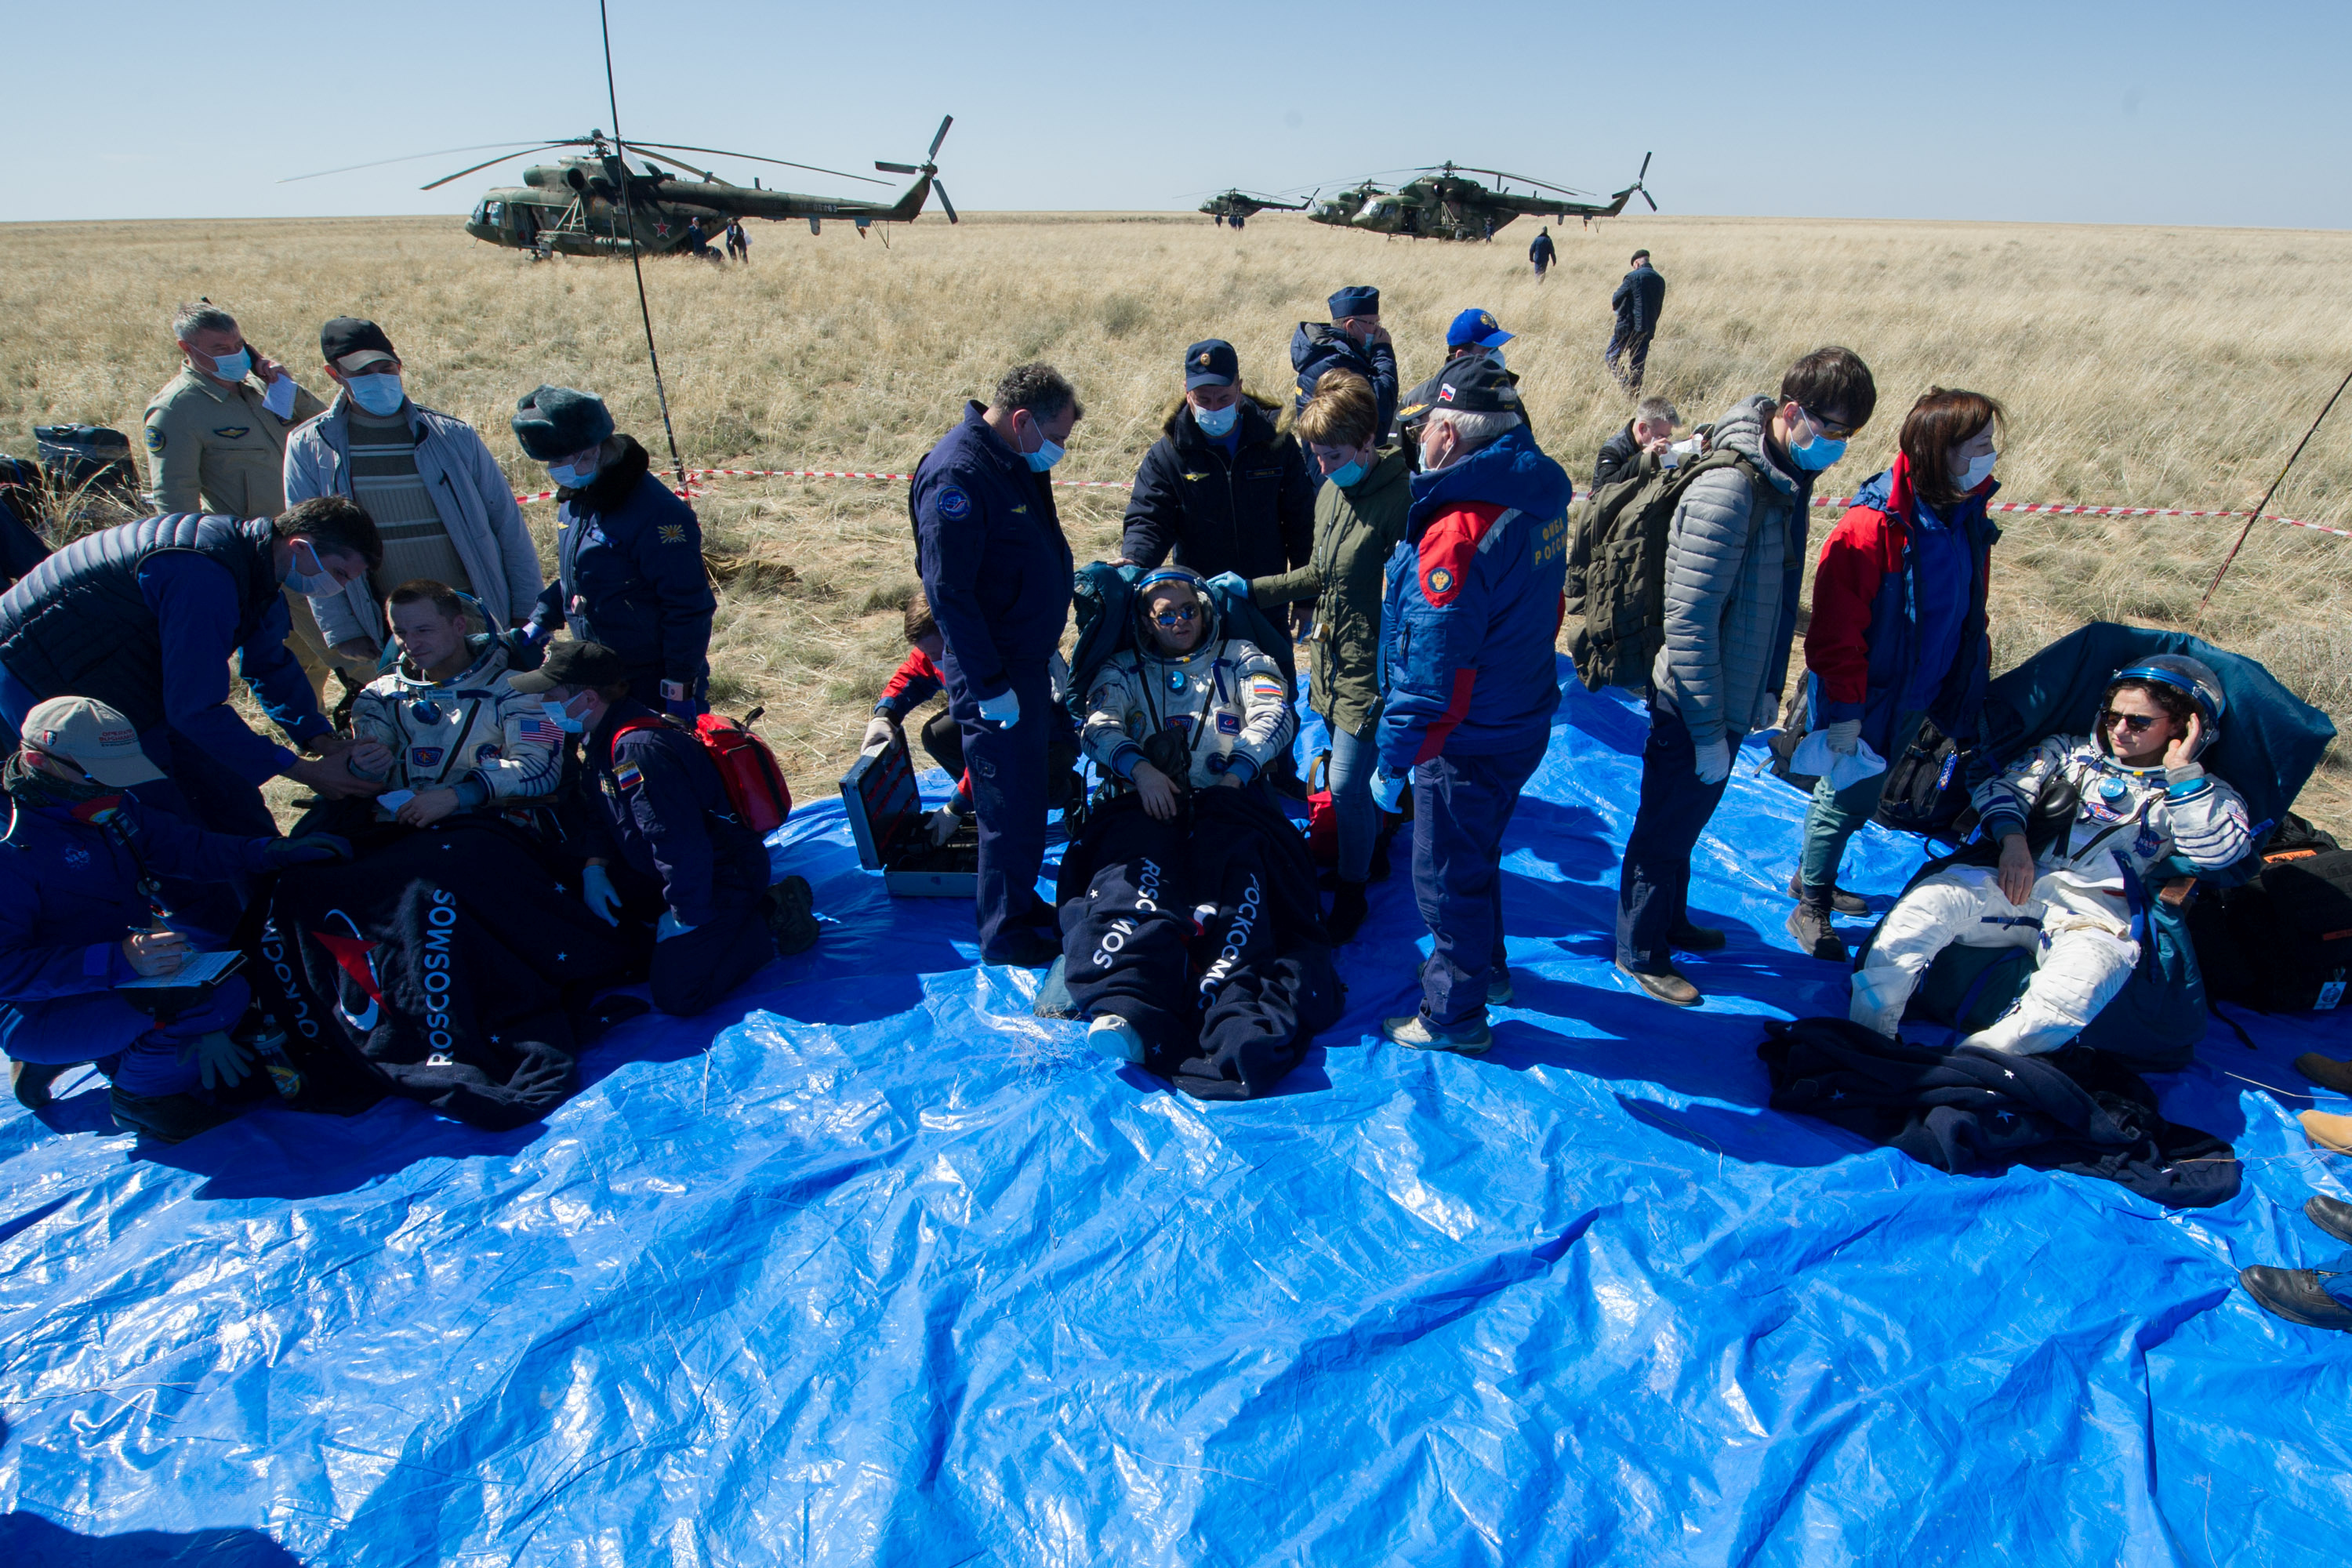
point(1355, 299)
point(1477, 326)
point(1211, 363)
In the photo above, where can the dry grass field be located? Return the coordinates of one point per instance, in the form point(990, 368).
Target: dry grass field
point(2153, 367)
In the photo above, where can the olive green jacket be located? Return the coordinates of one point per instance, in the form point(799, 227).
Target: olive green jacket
point(1356, 532)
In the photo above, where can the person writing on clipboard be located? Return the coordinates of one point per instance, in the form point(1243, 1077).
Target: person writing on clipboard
point(83, 943)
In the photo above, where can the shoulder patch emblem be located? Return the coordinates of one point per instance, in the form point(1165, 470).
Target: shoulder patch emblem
point(425, 756)
point(233, 432)
point(1441, 581)
point(954, 504)
point(154, 437)
point(673, 534)
point(626, 775)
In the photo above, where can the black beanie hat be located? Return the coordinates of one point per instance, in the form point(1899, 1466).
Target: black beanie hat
point(556, 421)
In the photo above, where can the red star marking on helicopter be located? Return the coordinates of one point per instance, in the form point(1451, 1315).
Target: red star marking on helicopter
point(661, 229)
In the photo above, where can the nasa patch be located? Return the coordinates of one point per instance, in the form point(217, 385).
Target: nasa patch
point(154, 437)
point(954, 504)
point(2149, 840)
point(486, 753)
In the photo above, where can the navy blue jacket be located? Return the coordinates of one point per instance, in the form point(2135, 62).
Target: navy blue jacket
point(1472, 606)
point(655, 805)
point(629, 572)
point(1248, 508)
point(1640, 296)
point(69, 890)
point(1542, 250)
point(1319, 346)
point(994, 564)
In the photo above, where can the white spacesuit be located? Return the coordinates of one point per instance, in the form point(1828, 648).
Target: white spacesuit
point(473, 733)
point(1225, 707)
point(2078, 917)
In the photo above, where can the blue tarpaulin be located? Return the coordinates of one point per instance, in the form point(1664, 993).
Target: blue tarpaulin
point(874, 1267)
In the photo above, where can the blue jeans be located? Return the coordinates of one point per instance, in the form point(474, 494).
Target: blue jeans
point(1461, 806)
point(137, 1054)
point(1653, 885)
point(1358, 819)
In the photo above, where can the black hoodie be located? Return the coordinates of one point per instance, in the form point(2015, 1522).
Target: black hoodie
point(1252, 511)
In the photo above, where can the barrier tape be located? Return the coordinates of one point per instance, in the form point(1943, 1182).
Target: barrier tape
point(2047, 508)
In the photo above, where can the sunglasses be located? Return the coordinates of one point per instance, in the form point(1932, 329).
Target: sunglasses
point(1829, 430)
point(2135, 722)
point(1174, 619)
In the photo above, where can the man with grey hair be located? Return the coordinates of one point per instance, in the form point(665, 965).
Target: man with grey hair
point(997, 571)
point(216, 439)
point(1646, 435)
point(1468, 625)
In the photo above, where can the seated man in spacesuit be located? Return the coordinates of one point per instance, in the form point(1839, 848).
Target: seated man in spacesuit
point(2141, 798)
point(1190, 921)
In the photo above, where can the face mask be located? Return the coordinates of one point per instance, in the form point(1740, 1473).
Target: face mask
point(1348, 476)
point(558, 715)
point(1045, 457)
point(1218, 423)
point(1496, 355)
point(379, 395)
point(317, 581)
point(1976, 473)
point(232, 367)
point(569, 478)
point(1429, 462)
point(1818, 453)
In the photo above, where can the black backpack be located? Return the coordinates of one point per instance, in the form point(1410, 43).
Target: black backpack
point(1617, 568)
point(2282, 943)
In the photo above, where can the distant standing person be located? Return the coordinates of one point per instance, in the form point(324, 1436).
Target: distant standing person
point(738, 243)
point(1354, 340)
point(1639, 297)
point(216, 439)
point(997, 571)
point(1542, 252)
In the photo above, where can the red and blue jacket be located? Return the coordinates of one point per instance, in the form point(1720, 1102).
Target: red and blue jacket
point(1472, 611)
point(1863, 649)
point(914, 682)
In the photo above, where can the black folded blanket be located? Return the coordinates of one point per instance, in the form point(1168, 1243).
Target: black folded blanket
point(1968, 1110)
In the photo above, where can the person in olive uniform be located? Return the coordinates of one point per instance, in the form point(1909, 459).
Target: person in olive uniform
point(215, 439)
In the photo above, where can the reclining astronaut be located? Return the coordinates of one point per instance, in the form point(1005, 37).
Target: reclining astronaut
point(2142, 798)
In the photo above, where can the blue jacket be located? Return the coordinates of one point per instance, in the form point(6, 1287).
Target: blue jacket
point(994, 564)
point(657, 806)
point(1640, 296)
point(1319, 346)
point(629, 572)
point(1472, 606)
point(69, 890)
point(1862, 648)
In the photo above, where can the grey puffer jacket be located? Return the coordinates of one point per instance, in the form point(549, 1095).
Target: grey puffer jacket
point(1735, 553)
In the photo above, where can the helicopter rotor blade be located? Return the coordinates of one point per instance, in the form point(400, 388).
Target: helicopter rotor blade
point(1645, 168)
point(948, 206)
point(754, 158)
point(442, 153)
point(896, 168)
point(933, 155)
point(501, 159)
point(1647, 197)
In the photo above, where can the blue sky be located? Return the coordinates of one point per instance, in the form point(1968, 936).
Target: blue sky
point(2157, 112)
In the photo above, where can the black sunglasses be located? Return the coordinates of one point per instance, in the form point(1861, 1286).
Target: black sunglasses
point(1176, 617)
point(2135, 722)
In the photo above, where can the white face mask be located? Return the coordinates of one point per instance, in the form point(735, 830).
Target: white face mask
point(1216, 424)
point(316, 582)
point(1975, 473)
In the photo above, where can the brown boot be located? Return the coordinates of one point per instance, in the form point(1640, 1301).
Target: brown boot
point(1669, 987)
point(2327, 1131)
point(1809, 922)
point(2325, 1071)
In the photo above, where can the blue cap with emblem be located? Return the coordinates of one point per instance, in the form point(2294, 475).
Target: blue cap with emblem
point(1355, 299)
point(1476, 327)
point(1211, 363)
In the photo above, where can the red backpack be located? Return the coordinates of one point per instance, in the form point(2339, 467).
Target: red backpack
point(755, 787)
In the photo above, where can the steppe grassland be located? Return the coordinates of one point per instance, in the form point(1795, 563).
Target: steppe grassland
point(2143, 366)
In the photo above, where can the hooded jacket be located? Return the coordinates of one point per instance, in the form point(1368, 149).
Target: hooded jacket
point(1225, 700)
point(1735, 553)
point(1355, 530)
point(1319, 346)
point(469, 490)
point(1863, 648)
point(473, 732)
point(1251, 510)
point(629, 571)
point(1473, 606)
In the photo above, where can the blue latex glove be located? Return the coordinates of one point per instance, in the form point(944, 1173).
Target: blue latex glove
point(221, 1062)
point(525, 647)
point(1388, 790)
point(1233, 582)
point(308, 849)
point(1003, 710)
point(596, 890)
point(668, 926)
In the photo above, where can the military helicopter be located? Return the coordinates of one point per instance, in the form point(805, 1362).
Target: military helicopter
point(1235, 208)
point(1440, 203)
point(575, 206)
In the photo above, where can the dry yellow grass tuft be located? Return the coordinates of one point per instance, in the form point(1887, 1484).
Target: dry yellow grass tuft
point(2143, 366)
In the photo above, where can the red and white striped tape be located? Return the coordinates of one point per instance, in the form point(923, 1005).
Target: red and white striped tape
point(2050, 509)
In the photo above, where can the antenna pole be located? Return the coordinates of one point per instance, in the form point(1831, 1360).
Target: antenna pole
point(629, 220)
point(2262, 505)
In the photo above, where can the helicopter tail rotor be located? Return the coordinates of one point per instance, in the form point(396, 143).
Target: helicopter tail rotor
point(930, 166)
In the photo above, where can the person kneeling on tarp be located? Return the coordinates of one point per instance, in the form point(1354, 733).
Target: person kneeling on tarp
point(2143, 798)
point(78, 925)
point(461, 737)
point(1190, 900)
point(665, 850)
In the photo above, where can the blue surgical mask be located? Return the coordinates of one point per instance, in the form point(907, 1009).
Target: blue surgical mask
point(316, 582)
point(557, 715)
point(1344, 476)
point(1978, 471)
point(570, 478)
point(381, 396)
point(1045, 457)
point(1817, 454)
point(1218, 423)
point(232, 367)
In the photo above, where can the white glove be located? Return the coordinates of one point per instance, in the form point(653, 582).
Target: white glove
point(221, 1062)
point(1843, 736)
point(1003, 710)
point(1388, 790)
point(1714, 760)
point(878, 732)
point(596, 890)
point(941, 824)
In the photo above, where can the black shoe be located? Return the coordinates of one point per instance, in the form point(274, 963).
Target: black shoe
point(2325, 1071)
point(31, 1081)
point(1698, 939)
point(1843, 901)
point(1669, 987)
point(1810, 924)
point(792, 916)
point(2297, 1295)
point(1348, 908)
point(2331, 1214)
point(1379, 867)
point(166, 1118)
point(1023, 947)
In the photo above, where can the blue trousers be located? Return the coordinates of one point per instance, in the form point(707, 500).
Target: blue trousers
point(1008, 796)
point(1461, 806)
point(138, 1054)
point(1653, 885)
point(1358, 819)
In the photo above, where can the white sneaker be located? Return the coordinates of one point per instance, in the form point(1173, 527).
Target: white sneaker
point(1115, 1037)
